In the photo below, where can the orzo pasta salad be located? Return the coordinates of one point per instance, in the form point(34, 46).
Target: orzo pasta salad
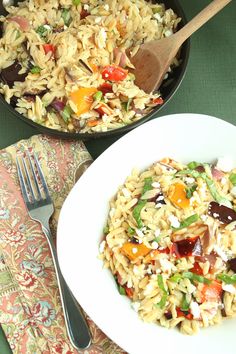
point(170, 242)
point(63, 63)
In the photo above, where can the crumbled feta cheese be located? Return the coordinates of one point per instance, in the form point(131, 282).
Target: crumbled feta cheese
point(223, 180)
point(157, 232)
point(168, 33)
point(161, 197)
point(158, 205)
point(102, 246)
point(225, 163)
point(203, 217)
point(135, 306)
point(156, 185)
point(126, 192)
point(195, 309)
point(229, 288)
point(148, 290)
point(233, 191)
point(97, 19)
point(215, 215)
point(154, 245)
point(86, 7)
point(112, 212)
point(139, 233)
point(106, 7)
point(129, 283)
point(189, 180)
point(157, 16)
point(174, 221)
point(47, 27)
point(166, 265)
point(221, 253)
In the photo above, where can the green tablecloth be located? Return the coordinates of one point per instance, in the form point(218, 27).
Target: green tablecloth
point(209, 86)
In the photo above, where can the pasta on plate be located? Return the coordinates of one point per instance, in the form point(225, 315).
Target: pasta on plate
point(170, 242)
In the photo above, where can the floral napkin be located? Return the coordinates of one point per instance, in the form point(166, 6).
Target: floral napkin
point(30, 308)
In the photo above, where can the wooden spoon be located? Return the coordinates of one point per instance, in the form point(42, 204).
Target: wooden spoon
point(154, 58)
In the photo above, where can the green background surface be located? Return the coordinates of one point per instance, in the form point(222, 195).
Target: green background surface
point(209, 86)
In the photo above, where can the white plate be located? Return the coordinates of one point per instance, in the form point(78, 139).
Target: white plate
point(184, 137)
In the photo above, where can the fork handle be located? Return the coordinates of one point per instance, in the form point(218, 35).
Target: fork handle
point(76, 325)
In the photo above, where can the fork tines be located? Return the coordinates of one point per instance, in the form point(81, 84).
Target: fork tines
point(32, 180)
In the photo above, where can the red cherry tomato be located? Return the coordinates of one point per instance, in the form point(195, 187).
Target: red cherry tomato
point(114, 73)
point(158, 100)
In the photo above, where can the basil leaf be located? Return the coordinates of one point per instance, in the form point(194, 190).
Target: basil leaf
point(106, 230)
point(98, 96)
point(121, 289)
point(162, 303)
point(184, 304)
point(189, 190)
point(147, 185)
point(176, 278)
point(196, 277)
point(35, 70)
point(193, 164)
point(66, 113)
point(160, 283)
point(187, 222)
point(137, 211)
point(42, 31)
point(228, 279)
point(65, 14)
point(232, 178)
point(131, 231)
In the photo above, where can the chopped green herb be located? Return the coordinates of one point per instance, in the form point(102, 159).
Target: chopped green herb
point(184, 304)
point(162, 303)
point(66, 113)
point(126, 105)
point(42, 31)
point(190, 190)
point(187, 222)
point(76, 2)
point(65, 14)
point(228, 279)
point(232, 178)
point(131, 231)
point(121, 289)
point(137, 211)
point(147, 185)
point(98, 96)
point(161, 285)
point(106, 230)
point(196, 277)
point(193, 164)
point(35, 70)
point(176, 278)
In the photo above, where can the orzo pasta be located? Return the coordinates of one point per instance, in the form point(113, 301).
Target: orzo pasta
point(63, 62)
point(170, 242)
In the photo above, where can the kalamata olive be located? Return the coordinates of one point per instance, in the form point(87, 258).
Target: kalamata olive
point(11, 74)
point(134, 240)
point(200, 168)
point(232, 264)
point(188, 247)
point(168, 315)
point(221, 212)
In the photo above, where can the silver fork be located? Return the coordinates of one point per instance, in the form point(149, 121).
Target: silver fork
point(40, 207)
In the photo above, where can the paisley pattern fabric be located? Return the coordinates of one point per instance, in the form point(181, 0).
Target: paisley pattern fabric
point(30, 309)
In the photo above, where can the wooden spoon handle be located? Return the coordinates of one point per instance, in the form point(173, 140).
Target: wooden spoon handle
point(199, 20)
